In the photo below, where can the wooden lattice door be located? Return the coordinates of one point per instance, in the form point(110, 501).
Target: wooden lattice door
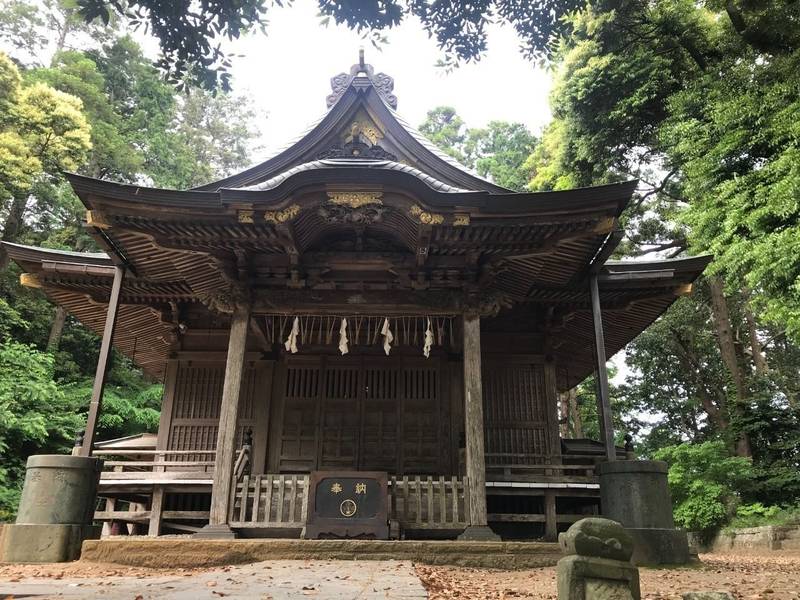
point(360, 413)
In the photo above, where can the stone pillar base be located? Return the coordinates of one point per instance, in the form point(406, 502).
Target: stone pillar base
point(635, 493)
point(479, 533)
point(216, 532)
point(659, 546)
point(28, 543)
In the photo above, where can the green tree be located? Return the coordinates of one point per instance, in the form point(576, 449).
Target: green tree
point(35, 416)
point(499, 151)
point(704, 482)
point(191, 39)
point(43, 131)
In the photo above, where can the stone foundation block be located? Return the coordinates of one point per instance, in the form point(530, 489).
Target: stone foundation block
point(659, 546)
point(591, 578)
point(45, 543)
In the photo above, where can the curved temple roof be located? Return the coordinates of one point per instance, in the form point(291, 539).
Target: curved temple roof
point(360, 211)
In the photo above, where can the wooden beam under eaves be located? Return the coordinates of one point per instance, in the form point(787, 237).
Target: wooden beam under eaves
point(96, 218)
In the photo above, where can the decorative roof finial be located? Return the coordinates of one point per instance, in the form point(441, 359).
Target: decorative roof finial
point(382, 83)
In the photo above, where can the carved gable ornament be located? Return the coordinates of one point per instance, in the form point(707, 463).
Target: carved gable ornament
point(355, 199)
point(383, 83)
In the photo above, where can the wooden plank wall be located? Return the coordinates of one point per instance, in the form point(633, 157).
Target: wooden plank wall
point(192, 401)
point(519, 420)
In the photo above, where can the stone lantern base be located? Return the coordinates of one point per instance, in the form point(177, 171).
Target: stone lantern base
point(635, 493)
point(56, 510)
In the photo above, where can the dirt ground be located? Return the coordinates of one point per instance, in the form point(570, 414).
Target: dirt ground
point(770, 576)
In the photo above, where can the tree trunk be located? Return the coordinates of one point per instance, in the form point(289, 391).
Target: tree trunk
point(16, 213)
point(727, 347)
point(759, 360)
point(563, 413)
point(577, 424)
point(56, 329)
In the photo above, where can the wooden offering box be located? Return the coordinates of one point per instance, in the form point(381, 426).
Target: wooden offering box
point(348, 504)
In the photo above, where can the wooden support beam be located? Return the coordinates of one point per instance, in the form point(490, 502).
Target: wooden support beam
point(473, 430)
point(102, 363)
point(603, 401)
point(156, 511)
point(229, 413)
point(550, 519)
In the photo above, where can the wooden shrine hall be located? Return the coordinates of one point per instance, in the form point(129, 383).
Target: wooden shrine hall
point(357, 302)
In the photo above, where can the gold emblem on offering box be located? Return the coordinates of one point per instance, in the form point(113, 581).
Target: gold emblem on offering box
point(348, 508)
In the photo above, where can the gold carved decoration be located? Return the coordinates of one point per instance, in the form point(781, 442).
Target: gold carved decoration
point(363, 131)
point(95, 218)
point(425, 218)
point(30, 280)
point(355, 199)
point(461, 220)
point(281, 216)
point(245, 216)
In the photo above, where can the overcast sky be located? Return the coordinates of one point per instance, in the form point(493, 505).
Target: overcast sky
point(287, 73)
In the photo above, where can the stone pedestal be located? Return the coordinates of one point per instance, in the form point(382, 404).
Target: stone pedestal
point(597, 565)
point(635, 493)
point(216, 532)
point(478, 533)
point(56, 510)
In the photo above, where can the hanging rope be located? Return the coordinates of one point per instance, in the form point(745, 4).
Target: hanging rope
point(343, 348)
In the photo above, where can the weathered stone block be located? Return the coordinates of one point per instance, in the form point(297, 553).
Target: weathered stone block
point(59, 490)
point(26, 543)
point(659, 546)
point(635, 493)
point(597, 537)
point(707, 596)
point(597, 567)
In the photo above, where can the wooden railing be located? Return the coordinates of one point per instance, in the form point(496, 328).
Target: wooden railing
point(270, 501)
point(429, 503)
point(281, 501)
point(541, 467)
point(162, 460)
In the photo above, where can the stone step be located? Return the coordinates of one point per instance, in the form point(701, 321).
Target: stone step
point(187, 552)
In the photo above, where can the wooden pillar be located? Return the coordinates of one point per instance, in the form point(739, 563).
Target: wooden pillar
point(102, 363)
point(473, 432)
point(550, 517)
point(156, 511)
point(603, 401)
point(226, 434)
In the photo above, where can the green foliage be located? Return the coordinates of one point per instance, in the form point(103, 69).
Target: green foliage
point(36, 416)
point(758, 515)
point(140, 129)
point(42, 132)
point(190, 39)
point(499, 151)
point(704, 482)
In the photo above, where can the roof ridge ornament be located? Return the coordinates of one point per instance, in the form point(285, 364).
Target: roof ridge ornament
point(383, 83)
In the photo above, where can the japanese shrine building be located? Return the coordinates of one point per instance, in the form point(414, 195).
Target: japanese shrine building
point(359, 301)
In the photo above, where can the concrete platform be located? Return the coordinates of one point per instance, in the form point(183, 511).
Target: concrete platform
point(185, 552)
